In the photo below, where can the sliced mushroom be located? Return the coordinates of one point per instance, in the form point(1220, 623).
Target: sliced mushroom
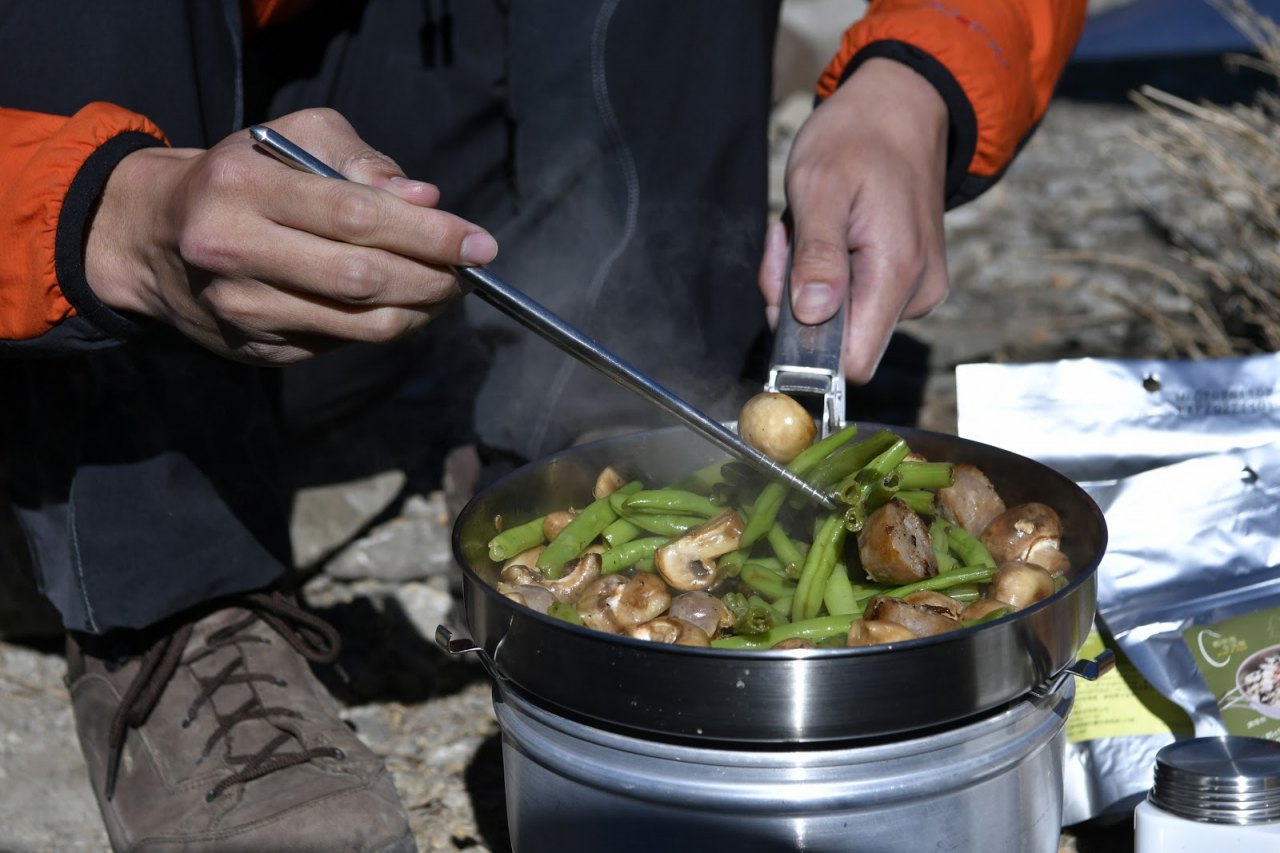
point(1020, 584)
point(527, 557)
point(795, 643)
point(1031, 533)
point(554, 522)
point(593, 603)
point(971, 501)
point(577, 574)
point(516, 575)
point(870, 632)
point(666, 629)
point(895, 547)
point(688, 563)
point(936, 601)
point(607, 482)
point(531, 596)
point(921, 621)
point(981, 608)
point(644, 597)
point(704, 610)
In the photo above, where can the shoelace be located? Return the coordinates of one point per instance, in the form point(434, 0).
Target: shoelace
point(309, 635)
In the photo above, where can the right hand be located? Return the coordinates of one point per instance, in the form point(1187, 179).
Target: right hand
point(260, 262)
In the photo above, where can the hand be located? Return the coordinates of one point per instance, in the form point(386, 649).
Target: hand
point(866, 175)
point(260, 262)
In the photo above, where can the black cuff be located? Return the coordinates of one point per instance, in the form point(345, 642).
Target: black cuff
point(962, 140)
point(68, 252)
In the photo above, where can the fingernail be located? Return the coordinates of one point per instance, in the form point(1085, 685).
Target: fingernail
point(407, 183)
point(816, 299)
point(479, 249)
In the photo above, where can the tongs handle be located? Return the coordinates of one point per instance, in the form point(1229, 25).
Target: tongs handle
point(807, 358)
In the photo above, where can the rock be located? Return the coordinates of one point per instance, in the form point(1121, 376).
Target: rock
point(427, 605)
point(412, 546)
point(326, 517)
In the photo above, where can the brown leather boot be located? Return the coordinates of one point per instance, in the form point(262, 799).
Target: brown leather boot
point(217, 738)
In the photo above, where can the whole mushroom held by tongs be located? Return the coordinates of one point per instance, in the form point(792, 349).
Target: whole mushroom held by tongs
point(1030, 533)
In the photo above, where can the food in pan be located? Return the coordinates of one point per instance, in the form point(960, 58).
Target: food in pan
point(724, 558)
point(1262, 683)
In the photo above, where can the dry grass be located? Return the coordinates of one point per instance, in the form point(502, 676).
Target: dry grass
point(1222, 207)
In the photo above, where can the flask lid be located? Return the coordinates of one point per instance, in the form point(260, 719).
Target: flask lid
point(1219, 780)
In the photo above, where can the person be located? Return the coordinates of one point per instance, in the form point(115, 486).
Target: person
point(159, 265)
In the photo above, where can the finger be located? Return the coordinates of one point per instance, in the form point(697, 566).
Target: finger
point(773, 270)
point(335, 272)
point(266, 317)
point(347, 212)
point(820, 260)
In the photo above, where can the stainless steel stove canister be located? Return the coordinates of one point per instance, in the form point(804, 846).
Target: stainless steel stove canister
point(990, 784)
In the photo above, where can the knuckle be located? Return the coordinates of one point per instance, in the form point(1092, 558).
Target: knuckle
point(818, 256)
point(357, 278)
point(387, 324)
point(356, 216)
point(369, 160)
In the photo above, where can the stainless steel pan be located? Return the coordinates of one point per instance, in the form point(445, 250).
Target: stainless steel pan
point(767, 696)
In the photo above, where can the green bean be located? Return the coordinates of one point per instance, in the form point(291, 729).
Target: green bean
point(514, 540)
point(783, 605)
point(768, 584)
point(773, 495)
point(966, 592)
point(835, 641)
point(889, 460)
point(578, 534)
point(927, 475)
point(646, 564)
point(779, 614)
point(668, 502)
point(731, 564)
point(849, 460)
point(868, 488)
point(565, 612)
point(818, 565)
point(786, 550)
point(773, 564)
point(967, 549)
point(736, 602)
point(945, 580)
point(702, 480)
point(755, 620)
point(619, 558)
point(998, 613)
point(941, 547)
point(814, 629)
point(855, 518)
point(838, 595)
point(619, 533)
point(921, 501)
point(665, 525)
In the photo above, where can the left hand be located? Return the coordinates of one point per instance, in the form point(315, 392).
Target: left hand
point(866, 176)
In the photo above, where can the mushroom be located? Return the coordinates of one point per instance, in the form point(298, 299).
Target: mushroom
point(936, 601)
point(666, 629)
point(532, 596)
point(971, 501)
point(776, 425)
point(517, 574)
point(795, 643)
point(895, 547)
point(688, 563)
point(608, 481)
point(1020, 584)
point(982, 607)
point(1031, 533)
point(871, 632)
point(593, 603)
point(921, 621)
point(577, 574)
point(702, 609)
point(554, 522)
point(644, 597)
point(528, 557)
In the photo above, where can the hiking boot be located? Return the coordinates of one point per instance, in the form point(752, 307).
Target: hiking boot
point(217, 738)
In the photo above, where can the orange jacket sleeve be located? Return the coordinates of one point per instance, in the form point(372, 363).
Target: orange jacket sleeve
point(52, 170)
point(995, 63)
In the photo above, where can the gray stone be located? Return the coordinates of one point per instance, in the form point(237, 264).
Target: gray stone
point(412, 546)
point(326, 517)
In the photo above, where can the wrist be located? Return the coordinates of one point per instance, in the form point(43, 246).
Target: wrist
point(906, 99)
point(130, 242)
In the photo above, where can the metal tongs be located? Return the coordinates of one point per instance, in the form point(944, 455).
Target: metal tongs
point(538, 319)
point(807, 359)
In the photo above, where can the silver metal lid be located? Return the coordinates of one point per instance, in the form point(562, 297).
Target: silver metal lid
point(1219, 780)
